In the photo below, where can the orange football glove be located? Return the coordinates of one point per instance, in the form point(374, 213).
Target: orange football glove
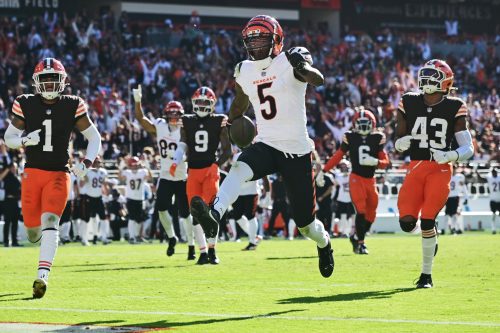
point(173, 167)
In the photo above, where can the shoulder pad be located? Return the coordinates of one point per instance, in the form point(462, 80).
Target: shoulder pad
point(25, 96)
point(237, 69)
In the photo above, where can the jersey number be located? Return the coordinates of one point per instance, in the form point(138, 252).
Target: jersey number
point(363, 152)
point(495, 186)
point(48, 135)
point(419, 133)
point(201, 141)
point(263, 99)
point(165, 147)
point(135, 184)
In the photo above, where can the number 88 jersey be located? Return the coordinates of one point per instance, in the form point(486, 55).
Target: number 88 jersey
point(430, 126)
point(167, 141)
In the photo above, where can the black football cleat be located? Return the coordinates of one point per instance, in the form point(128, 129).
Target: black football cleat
point(171, 246)
point(207, 216)
point(250, 247)
point(425, 281)
point(212, 256)
point(354, 243)
point(362, 249)
point(191, 253)
point(326, 262)
point(203, 259)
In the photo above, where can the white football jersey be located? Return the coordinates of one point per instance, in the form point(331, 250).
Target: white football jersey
point(278, 99)
point(168, 141)
point(73, 179)
point(494, 187)
point(343, 181)
point(95, 180)
point(82, 188)
point(134, 183)
point(457, 185)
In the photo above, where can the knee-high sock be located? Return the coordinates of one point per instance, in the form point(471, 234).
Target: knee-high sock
point(131, 229)
point(253, 225)
point(344, 225)
point(76, 228)
point(360, 227)
point(493, 226)
point(199, 235)
point(84, 231)
point(429, 241)
point(243, 222)
point(188, 226)
point(138, 232)
point(316, 231)
point(233, 231)
point(65, 230)
point(454, 224)
point(291, 228)
point(92, 226)
point(104, 230)
point(48, 244)
point(449, 222)
point(166, 222)
point(230, 189)
point(460, 222)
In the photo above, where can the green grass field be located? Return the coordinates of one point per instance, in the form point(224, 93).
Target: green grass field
point(277, 288)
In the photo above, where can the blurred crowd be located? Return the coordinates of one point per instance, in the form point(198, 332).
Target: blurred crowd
point(106, 55)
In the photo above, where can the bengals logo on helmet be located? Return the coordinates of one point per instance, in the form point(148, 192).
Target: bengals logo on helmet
point(435, 76)
point(49, 78)
point(263, 37)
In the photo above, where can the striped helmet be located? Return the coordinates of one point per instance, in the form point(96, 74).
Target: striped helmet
point(49, 78)
point(263, 37)
point(203, 100)
point(364, 121)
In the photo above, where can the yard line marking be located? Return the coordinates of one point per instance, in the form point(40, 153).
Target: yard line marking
point(228, 315)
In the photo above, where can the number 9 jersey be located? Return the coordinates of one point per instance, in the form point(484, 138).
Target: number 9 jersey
point(430, 126)
point(56, 122)
point(167, 141)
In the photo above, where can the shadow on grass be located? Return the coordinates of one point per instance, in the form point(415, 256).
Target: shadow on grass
point(172, 324)
point(291, 258)
point(17, 299)
point(345, 297)
point(119, 269)
point(6, 295)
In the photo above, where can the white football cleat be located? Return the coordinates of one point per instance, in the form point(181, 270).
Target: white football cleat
point(39, 288)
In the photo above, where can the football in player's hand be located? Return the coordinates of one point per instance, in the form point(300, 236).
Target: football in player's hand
point(242, 131)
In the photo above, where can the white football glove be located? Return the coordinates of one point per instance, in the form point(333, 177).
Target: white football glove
point(32, 139)
point(403, 143)
point(80, 170)
point(443, 157)
point(369, 161)
point(320, 179)
point(137, 94)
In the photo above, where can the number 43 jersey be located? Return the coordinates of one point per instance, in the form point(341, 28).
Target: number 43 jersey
point(167, 141)
point(430, 126)
point(56, 122)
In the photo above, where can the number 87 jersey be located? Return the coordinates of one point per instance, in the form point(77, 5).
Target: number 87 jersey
point(430, 126)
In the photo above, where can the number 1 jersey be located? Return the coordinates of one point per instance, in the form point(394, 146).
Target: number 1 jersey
point(430, 126)
point(56, 122)
point(278, 100)
point(167, 141)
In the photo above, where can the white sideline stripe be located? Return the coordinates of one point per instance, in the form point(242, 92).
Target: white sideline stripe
point(226, 11)
point(228, 315)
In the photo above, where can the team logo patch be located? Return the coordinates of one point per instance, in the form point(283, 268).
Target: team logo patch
point(49, 111)
point(429, 109)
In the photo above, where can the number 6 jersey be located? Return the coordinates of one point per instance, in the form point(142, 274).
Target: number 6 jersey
point(430, 126)
point(56, 122)
point(167, 141)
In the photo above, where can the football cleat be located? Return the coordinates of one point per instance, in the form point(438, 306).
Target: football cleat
point(203, 259)
point(207, 216)
point(362, 249)
point(212, 256)
point(424, 281)
point(326, 262)
point(39, 288)
point(171, 246)
point(191, 253)
point(250, 247)
point(354, 243)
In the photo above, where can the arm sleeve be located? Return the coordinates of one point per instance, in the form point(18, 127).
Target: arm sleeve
point(334, 160)
point(94, 145)
point(13, 137)
point(465, 148)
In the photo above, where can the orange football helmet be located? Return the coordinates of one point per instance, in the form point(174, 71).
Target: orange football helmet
point(203, 100)
point(263, 37)
point(133, 163)
point(50, 78)
point(364, 121)
point(173, 111)
point(435, 76)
